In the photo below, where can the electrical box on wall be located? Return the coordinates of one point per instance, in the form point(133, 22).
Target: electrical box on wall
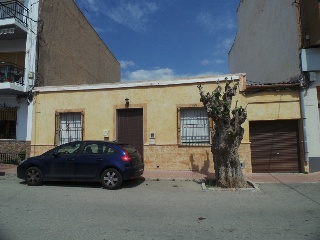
point(31, 82)
point(152, 138)
point(105, 133)
point(31, 75)
point(312, 76)
point(242, 164)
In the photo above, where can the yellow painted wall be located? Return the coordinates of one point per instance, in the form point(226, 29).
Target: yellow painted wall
point(271, 106)
point(160, 104)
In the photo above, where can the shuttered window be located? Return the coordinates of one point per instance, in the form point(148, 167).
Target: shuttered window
point(69, 127)
point(274, 146)
point(194, 126)
point(8, 122)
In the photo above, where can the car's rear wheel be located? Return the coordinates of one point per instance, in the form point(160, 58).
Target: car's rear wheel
point(111, 179)
point(33, 176)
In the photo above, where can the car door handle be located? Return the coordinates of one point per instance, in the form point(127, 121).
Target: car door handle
point(71, 159)
point(99, 159)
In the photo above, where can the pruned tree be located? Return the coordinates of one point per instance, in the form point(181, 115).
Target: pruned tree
point(226, 135)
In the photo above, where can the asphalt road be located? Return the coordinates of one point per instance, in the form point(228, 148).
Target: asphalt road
point(147, 209)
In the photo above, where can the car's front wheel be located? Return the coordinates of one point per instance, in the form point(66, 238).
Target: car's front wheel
point(111, 179)
point(33, 176)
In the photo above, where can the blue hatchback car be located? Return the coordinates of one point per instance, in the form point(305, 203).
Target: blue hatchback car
point(107, 162)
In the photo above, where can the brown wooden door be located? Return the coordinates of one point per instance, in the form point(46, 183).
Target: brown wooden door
point(275, 146)
point(130, 127)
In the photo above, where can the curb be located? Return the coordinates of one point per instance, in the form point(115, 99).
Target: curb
point(254, 188)
point(156, 179)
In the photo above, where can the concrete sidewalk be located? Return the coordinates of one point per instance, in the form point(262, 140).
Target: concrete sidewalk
point(7, 168)
point(253, 177)
point(190, 175)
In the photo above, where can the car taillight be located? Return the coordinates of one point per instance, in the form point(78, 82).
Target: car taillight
point(126, 157)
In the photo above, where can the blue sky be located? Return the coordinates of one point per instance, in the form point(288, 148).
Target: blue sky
point(165, 39)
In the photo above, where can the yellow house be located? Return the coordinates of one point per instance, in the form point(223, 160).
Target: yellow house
point(165, 121)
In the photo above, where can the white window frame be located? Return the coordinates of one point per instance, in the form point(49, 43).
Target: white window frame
point(69, 127)
point(194, 126)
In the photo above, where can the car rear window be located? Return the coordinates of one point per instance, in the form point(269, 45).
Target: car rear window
point(128, 148)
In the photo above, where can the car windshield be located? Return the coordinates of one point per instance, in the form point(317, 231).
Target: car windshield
point(48, 153)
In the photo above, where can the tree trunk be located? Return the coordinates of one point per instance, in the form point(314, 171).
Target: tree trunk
point(225, 147)
point(226, 136)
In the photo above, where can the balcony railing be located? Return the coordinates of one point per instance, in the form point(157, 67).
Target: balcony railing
point(10, 72)
point(14, 9)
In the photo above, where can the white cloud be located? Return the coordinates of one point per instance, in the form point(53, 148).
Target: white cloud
point(206, 74)
point(99, 30)
point(132, 14)
point(219, 61)
point(161, 74)
point(143, 75)
point(227, 43)
point(214, 24)
point(89, 5)
point(222, 48)
point(125, 64)
point(206, 62)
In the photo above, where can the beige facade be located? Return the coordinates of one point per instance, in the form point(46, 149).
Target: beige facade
point(161, 102)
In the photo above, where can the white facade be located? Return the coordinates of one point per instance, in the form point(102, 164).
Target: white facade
point(13, 94)
point(310, 61)
point(31, 44)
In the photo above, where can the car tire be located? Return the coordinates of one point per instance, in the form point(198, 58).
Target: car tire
point(33, 176)
point(111, 179)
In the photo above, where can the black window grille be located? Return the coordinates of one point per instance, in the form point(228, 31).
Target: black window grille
point(194, 126)
point(70, 127)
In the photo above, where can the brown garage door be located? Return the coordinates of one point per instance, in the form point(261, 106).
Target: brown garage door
point(130, 127)
point(275, 146)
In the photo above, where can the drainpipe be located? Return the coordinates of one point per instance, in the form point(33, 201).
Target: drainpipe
point(303, 116)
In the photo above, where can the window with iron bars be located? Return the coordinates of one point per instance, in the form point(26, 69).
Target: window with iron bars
point(194, 126)
point(69, 127)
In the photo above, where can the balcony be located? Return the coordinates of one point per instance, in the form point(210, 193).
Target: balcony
point(13, 20)
point(11, 79)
